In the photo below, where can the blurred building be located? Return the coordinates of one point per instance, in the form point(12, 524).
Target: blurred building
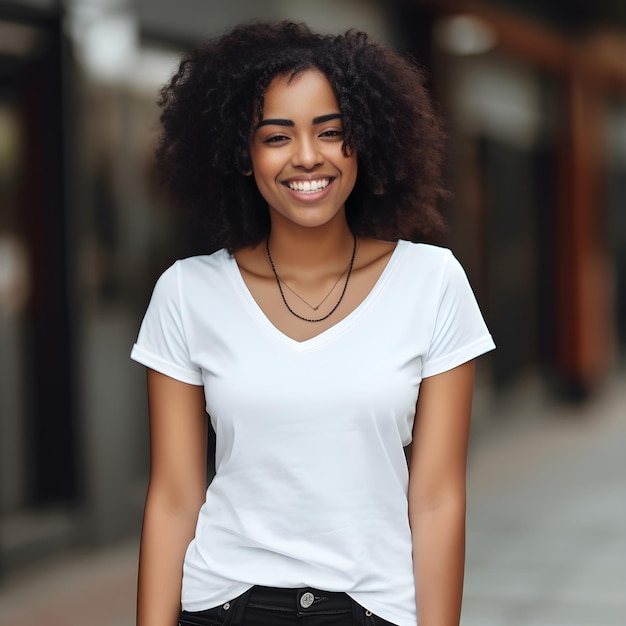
point(535, 95)
point(535, 98)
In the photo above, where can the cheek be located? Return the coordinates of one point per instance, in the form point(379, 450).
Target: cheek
point(266, 166)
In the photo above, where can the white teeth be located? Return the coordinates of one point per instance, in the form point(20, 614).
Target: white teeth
point(309, 186)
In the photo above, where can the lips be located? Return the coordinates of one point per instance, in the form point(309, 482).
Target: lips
point(308, 186)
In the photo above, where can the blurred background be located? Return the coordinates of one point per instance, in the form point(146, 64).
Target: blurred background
point(534, 95)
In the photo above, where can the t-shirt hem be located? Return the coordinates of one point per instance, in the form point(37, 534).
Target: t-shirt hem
point(458, 357)
point(238, 590)
point(194, 606)
point(165, 367)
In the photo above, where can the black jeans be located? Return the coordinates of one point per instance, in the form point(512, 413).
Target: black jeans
point(271, 606)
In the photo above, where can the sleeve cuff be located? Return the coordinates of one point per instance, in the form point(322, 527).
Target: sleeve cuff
point(191, 377)
point(450, 361)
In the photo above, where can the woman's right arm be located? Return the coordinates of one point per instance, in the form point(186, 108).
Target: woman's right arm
point(177, 488)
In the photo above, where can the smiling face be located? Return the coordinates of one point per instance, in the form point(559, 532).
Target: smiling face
point(297, 152)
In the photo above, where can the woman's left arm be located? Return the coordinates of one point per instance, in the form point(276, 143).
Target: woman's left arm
point(437, 469)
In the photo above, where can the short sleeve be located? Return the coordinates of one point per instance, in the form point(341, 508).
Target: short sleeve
point(162, 344)
point(460, 333)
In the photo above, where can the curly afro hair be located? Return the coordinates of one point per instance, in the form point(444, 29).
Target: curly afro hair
point(210, 104)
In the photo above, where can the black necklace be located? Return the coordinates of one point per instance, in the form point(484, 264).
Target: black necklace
point(282, 293)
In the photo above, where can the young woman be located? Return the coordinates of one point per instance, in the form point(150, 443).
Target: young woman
point(307, 335)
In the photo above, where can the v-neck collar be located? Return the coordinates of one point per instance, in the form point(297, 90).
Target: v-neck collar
point(259, 316)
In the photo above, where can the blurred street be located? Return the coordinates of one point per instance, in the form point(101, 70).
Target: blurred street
point(547, 517)
point(546, 530)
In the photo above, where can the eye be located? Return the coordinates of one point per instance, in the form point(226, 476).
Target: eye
point(275, 139)
point(332, 133)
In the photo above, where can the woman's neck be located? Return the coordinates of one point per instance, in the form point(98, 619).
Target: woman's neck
point(311, 249)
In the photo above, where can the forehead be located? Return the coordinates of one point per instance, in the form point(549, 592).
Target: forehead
point(302, 93)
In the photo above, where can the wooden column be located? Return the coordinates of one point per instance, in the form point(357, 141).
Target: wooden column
point(583, 311)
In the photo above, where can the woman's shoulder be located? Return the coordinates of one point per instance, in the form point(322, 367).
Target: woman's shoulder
point(425, 254)
point(186, 271)
point(197, 264)
point(435, 268)
point(373, 251)
point(410, 257)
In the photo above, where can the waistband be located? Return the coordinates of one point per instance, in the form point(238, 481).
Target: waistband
point(300, 600)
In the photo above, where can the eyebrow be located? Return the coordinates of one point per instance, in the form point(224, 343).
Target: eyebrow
point(316, 120)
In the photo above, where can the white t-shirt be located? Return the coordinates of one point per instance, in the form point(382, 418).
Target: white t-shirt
point(311, 477)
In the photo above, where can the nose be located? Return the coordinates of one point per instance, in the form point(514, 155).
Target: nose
point(306, 153)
